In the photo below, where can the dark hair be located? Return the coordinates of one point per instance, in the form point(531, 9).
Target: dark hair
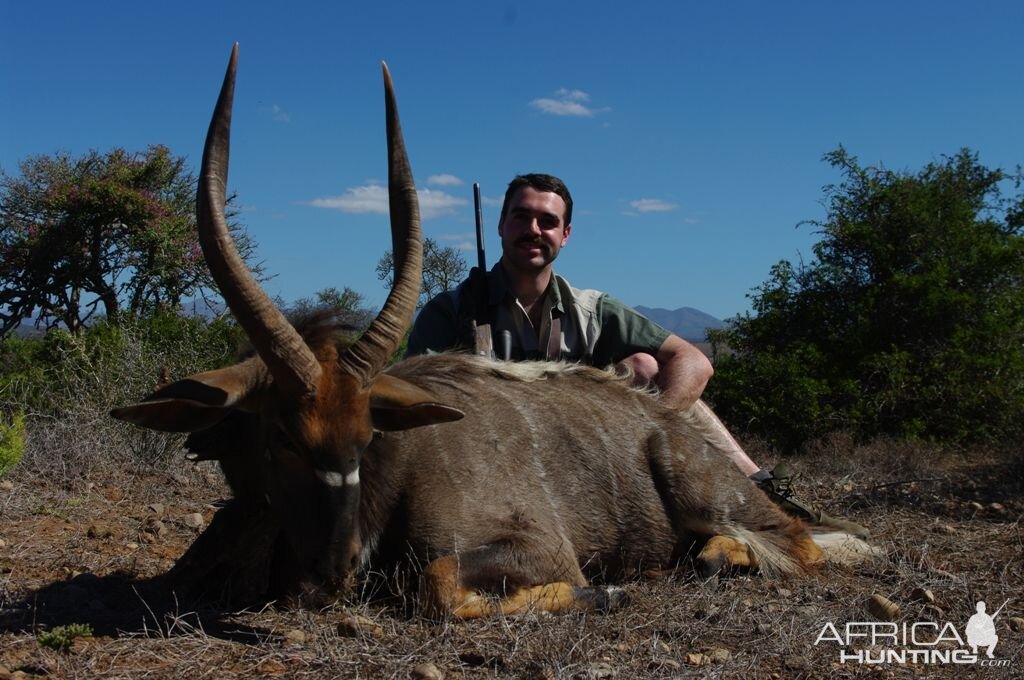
point(539, 182)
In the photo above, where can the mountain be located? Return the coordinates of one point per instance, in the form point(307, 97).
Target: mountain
point(686, 322)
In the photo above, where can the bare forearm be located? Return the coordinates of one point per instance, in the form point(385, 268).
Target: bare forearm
point(683, 372)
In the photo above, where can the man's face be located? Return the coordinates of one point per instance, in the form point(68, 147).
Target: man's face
point(534, 229)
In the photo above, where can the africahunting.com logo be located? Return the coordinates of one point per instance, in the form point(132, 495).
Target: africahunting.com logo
point(921, 642)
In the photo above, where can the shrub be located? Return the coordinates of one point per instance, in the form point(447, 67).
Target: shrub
point(12, 441)
point(67, 384)
point(61, 638)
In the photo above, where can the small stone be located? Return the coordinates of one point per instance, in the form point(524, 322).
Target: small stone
point(156, 508)
point(997, 508)
point(663, 664)
point(920, 594)
point(719, 655)
point(354, 625)
point(99, 531)
point(975, 506)
point(796, 662)
point(882, 608)
point(6, 485)
point(598, 671)
point(1016, 624)
point(698, 659)
point(785, 592)
point(271, 667)
point(3, 543)
point(153, 529)
point(662, 648)
point(132, 546)
point(193, 520)
point(765, 628)
point(947, 529)
point(295, 637)
point(427, 671)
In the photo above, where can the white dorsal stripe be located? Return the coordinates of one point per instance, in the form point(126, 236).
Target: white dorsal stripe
point(332, 478)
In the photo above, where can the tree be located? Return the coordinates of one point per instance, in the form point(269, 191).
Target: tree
point(348, 306)
point(100, 234)
point(443, 269)
point(909, 321)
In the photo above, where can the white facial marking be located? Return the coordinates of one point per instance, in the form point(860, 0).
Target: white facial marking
point(331, 478)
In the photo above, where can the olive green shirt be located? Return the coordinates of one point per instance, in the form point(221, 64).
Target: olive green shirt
point(595, 328)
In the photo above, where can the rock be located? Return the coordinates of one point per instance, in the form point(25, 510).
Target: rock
point(427, 671)
point(99, 531)
point(354, 625)
point(664, 664)
point(698, 659)
point(597, 671)
point(6, 485)
point(785, 592)
point(997, 508)
point(920, 594)
point(132, 545)
point(882, 608)
point(156, 508)
point(975, 506)
point(271, 667)
point(796, 663)
point(153, 529)
point(295, 637)
point(719, 655)
point(3, 543)
point(193, 520)
point(1016, 624)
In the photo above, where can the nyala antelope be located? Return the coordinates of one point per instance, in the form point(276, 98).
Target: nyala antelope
point(507, 484)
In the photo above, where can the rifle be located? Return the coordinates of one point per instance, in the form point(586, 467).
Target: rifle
point(483, 341)
point(481, 260)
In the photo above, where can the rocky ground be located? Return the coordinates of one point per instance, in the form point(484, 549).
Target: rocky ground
point(84, 555)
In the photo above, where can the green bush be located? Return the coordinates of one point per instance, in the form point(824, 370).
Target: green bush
point(66, 384)
point(12, 441)
point(908, 322)
point(61, 638)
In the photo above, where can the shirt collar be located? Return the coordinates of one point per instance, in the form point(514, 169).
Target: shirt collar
point(499, 286)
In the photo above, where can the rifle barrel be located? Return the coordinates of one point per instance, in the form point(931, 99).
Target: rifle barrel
point(481, 258)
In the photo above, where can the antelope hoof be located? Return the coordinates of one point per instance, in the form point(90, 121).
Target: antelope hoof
point(723, 555)
point(601, 599)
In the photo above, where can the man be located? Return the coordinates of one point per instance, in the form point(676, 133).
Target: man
point(523, 303)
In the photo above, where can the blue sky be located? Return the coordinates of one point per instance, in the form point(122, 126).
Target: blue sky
point(690, 134)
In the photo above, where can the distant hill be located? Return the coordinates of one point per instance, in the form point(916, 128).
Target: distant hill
point(686, 322)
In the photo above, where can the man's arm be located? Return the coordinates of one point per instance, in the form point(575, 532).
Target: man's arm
point(683, 372)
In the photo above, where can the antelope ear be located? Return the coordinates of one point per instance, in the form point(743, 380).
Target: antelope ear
point(195, 403)
point(398, 405)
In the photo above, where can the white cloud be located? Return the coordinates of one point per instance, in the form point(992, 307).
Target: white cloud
point(278, 114)
point(435, 203)
point(373, 198)
point(444, 180)
point(645, 205)
point(460, 241)
point(566, 102)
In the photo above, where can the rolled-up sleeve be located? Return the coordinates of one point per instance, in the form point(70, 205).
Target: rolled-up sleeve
point(625, 331)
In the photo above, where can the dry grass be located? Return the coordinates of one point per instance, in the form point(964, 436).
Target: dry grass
point(92, 551)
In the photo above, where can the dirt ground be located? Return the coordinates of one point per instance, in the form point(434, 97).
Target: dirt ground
point(91, 552)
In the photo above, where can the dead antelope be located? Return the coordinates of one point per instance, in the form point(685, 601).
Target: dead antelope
point(510, 484)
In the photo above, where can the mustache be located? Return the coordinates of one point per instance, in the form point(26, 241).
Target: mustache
point(531, 241)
